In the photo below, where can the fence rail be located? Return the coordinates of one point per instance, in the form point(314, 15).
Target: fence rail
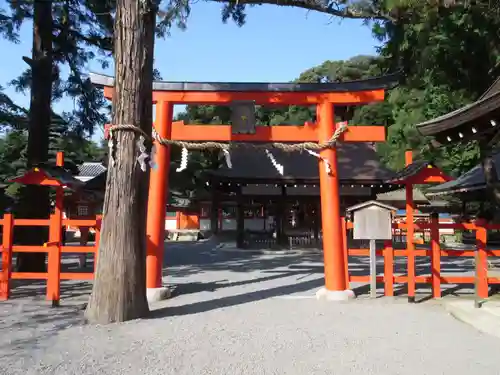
point(53, 248)
point(436, 279)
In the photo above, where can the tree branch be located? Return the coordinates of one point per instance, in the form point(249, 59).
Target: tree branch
point(104, 43)
point(360, 10)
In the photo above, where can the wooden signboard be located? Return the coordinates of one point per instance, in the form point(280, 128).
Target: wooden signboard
point(372, 221)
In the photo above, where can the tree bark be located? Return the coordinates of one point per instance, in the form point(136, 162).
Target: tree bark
point(119, 291)
point(34, 201)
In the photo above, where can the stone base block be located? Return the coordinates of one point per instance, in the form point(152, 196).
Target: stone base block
point(334, 295)
point(157, 294)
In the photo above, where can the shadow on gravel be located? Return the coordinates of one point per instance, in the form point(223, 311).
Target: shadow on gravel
point(181, 262)
point(204, 306)
point(197, 287)
point(28, 323)
point(36, 289)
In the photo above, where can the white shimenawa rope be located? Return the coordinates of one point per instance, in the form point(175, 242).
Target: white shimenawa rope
point(145, 159)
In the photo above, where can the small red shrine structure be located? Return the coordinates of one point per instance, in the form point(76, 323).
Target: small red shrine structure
point(415, 173)
point(61, 180)
point(325, 96)
point(56, 177)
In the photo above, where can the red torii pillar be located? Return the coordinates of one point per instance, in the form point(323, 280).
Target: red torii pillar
point(335, 273)
point(334, 260)
point(157, 205)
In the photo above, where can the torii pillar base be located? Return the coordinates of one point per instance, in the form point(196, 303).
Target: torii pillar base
point(158, 294)
point(334, 295)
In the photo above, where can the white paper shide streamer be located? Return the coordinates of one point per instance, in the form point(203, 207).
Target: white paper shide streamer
point(143, 156)
point(279, 167)
point(152, 157)
point(184, 160)
point(227, 156)
point(111, 146)
point(326, 163)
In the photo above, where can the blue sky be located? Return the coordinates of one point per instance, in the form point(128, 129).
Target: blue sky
point(276, 44)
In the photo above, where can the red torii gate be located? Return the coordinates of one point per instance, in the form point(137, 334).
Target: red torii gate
point(324, 95)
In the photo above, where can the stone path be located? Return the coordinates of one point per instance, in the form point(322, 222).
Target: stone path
point(241, 313)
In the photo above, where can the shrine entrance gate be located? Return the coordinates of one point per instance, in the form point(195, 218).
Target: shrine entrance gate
point(325, 96)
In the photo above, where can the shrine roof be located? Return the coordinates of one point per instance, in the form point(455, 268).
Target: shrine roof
point(400, 196)
point(419, 172)
point(38, 175)
point(472, 180)
point(411, 170)
point(382, 82)
point(466, 121)
point(358, 163)
point(90, 169)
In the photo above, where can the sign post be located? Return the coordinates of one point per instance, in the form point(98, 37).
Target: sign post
point(373, 269)
point(372, 221)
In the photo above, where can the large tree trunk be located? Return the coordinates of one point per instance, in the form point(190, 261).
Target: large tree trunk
point(34, 201)
point(119, 291)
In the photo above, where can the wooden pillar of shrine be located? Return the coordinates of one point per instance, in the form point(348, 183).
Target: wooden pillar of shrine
point(410, 233)
point(280, 217)
point(316, 221)
point(240, 219)
point(335, 288)
point(214, 208)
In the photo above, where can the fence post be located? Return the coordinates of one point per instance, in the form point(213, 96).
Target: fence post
point(346, 250)
point(435, 257)
point(481, 260)
point(54, 260)
point(7, 241)
point(97, 239)
point(388, 268)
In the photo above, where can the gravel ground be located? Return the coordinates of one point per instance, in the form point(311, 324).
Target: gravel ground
point(240, 313)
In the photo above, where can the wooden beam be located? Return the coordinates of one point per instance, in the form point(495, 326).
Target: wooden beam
point(261, 98)
point(277, 133)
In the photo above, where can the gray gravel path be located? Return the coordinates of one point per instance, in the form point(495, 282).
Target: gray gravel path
point(238, 313)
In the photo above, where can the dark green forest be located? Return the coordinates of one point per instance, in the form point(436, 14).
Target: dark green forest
point(448, 57)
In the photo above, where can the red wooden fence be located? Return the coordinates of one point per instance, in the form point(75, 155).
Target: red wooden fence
point(435, 278)
point(54, 248)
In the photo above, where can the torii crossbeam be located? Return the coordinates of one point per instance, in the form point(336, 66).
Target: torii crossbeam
point(324, 95)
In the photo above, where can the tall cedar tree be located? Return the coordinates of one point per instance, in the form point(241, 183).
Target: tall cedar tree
point(36, 199)
point(119, 291)
point(66, 33)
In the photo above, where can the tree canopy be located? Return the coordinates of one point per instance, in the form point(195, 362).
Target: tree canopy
point(448, 53)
